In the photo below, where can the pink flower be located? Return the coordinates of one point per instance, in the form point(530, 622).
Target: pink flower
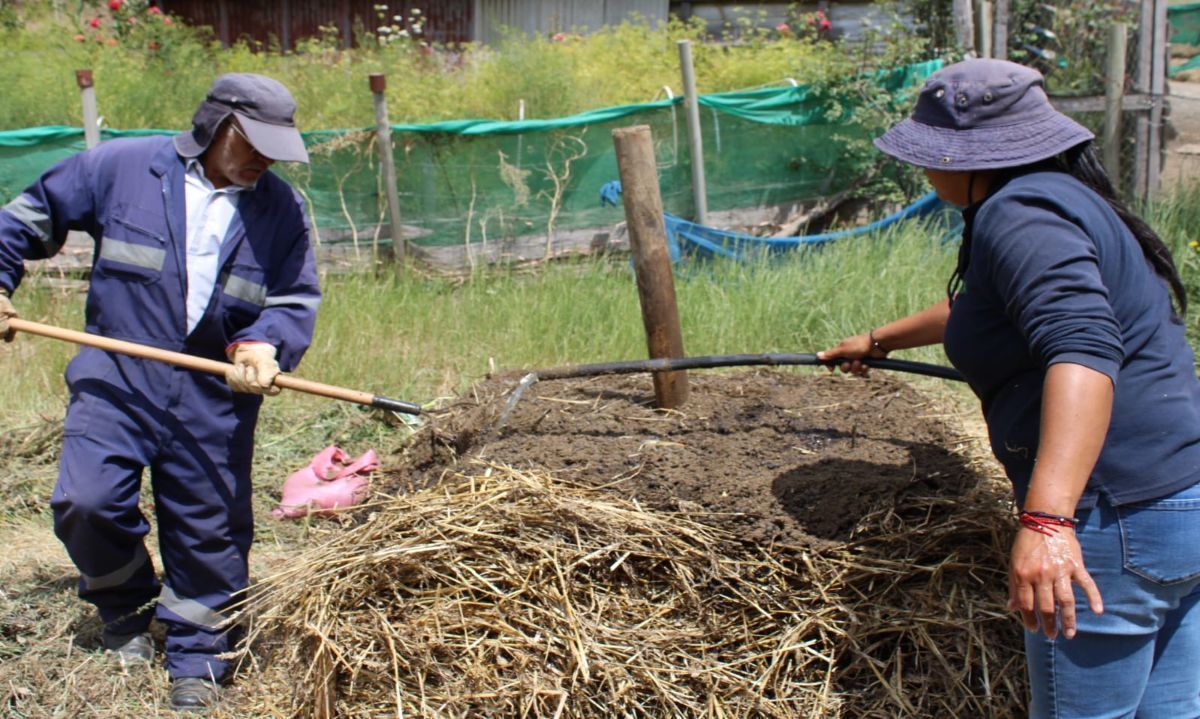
point(782, 27)
point(79, 38)
point(167, 20)
point(114, 5)
point(94, 22)
point(154, 10)
point(132, 20)
point(559, 37)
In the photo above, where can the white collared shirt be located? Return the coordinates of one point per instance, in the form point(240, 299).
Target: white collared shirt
point(209, 214)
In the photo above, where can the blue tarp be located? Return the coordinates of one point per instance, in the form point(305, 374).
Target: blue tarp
point(687, 239)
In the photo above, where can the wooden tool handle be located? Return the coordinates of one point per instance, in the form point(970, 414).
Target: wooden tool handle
point(201, 364)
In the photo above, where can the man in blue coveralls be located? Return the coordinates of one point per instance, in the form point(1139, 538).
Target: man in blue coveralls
point(198, 249)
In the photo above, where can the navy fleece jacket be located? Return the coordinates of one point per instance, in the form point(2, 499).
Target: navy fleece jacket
point(1053, 275)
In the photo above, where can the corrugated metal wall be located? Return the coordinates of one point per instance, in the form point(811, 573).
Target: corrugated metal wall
point(282, 22)
point(551, 16)
point(848, 17)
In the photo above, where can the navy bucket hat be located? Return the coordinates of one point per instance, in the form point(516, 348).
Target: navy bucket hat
point(264, 109)
point(982, 114)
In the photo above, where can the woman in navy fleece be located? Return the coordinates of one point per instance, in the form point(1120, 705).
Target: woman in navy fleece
point(1060, 317)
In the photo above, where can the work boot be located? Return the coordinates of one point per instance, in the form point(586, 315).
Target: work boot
point(130, 649)
point(194, 694)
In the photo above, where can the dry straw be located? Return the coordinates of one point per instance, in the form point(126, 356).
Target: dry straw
point(513, 594)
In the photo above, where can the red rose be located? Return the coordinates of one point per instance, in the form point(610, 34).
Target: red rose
point(114, 5)
point(94, 22)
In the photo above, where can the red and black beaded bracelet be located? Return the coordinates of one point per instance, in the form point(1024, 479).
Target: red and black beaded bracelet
point(1045, 523)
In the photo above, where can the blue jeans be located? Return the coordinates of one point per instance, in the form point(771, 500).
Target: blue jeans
point(1141, 658)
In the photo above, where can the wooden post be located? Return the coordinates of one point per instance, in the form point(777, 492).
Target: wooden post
point(1114, 91)
point(1000, 30)
point(1141, 86)
point(964, 26)
point(91, 117)
point(1158, 87)
point(223, 23)
point(651, 260)
point(387, 163)
point(695, 144)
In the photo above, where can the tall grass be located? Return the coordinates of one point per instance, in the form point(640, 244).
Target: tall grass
point(419, 338)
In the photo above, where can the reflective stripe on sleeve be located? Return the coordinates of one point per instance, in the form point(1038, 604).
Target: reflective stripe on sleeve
point(245, 290)
point(310, 301)
point(23, 209)
point(151, 258)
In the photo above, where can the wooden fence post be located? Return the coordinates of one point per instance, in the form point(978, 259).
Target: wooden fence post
point(1141, 86)
point(383, 140)
point(651, 260)
point(1114, 91)
point(964, 25)
point(1158, 88)
point(91, 117)
point(1000, 30)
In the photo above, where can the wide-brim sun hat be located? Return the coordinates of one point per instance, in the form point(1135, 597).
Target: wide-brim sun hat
point(264, 109)
point(982, 114)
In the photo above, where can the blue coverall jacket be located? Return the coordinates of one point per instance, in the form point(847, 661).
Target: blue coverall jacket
point(126, 414)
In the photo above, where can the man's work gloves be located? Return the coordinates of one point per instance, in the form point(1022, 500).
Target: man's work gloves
point(254, 368)
point(7, 312)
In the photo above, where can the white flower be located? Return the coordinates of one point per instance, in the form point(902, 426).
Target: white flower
point(416, 11)
point(383, 30)
point(403, 33)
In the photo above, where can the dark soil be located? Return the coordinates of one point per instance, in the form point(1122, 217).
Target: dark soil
point(779, 457)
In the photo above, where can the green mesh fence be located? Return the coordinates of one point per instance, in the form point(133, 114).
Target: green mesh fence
point(1185, 23)
point(1185, 29)
point(531, 188)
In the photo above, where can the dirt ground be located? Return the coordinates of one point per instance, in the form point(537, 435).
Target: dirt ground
point(778, 457)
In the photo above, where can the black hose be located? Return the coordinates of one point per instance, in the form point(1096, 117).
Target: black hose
point(669, 364)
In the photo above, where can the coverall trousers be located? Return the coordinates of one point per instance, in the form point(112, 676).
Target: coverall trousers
point(196, 437)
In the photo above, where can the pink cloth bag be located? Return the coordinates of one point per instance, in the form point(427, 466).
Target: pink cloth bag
point(331, 480)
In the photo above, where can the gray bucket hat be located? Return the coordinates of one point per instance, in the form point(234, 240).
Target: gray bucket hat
point(264, 109)
point(982, 114)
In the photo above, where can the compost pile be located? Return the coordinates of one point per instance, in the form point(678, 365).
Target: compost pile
point(787, 544)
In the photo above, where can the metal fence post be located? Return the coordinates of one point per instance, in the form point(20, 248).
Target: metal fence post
point(692, 103)
point(91, 117)
point(1114, 91)
point(387, 164)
